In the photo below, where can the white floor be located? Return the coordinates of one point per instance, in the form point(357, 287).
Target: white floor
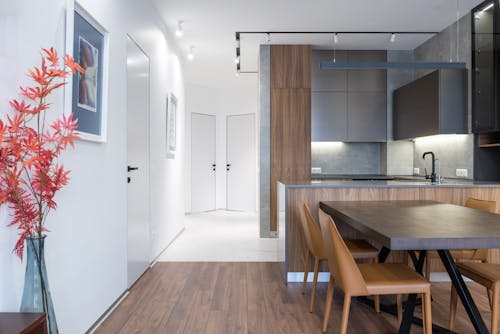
point(224, 236)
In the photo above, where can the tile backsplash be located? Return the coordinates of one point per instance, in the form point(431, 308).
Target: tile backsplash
point(452, 151)
point(346, 158)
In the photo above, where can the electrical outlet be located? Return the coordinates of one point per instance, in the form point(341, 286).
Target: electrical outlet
point(416, 171)
point(316, 170)
point(461, 172)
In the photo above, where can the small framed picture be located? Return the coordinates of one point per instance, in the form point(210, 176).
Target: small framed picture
point(87, 41)
point(171, 126)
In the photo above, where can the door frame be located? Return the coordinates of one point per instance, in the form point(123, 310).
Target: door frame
point(256, 160)
point(215, 160)
point(148, 160)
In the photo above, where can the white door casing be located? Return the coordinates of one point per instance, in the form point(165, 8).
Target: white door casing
point(203, 169)
point(241, 163)
point(138, 219)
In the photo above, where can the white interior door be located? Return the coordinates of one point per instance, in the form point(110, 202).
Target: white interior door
point(241, 166)
point(202, 162)
point(138, 247)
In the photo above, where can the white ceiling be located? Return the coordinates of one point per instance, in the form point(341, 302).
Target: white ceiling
point(210, 26)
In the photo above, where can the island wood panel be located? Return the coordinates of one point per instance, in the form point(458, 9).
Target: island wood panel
point(312, 196)
point(290, 152)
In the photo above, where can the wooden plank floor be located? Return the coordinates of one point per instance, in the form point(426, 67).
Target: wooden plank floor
point(212, 297)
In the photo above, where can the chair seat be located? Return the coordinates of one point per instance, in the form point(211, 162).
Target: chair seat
point(361, 249)
point(392, 278)
point(486, 274)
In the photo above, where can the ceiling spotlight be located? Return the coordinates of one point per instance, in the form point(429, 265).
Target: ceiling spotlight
point(190, 55)
point(393, 37)
point(336, 38)
point(237, 60)
point(179, 32)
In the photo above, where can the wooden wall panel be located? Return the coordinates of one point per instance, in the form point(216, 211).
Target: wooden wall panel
point(312, 196)
point(290, 118)
point(290, 66)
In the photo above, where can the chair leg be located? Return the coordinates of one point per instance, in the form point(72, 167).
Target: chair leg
point(428, 267)
point(494, 310)
point(345, 314)
point(399, 303)
point(376, 298)
point(306, 270)
point(488, 292)
point(315, 280)
point(427, 313)
point(422, 297)
point(328, 303)
point(453, 308)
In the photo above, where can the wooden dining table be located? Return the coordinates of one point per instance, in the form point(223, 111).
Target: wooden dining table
point(420, 225)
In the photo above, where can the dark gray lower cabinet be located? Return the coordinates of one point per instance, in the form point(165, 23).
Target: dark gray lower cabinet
point(329, 116)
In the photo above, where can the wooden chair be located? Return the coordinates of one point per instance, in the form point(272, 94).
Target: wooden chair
point(360, 249)
point(465, 254)
point(367, 279)
point(486, 274)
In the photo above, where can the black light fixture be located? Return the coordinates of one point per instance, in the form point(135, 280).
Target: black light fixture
point(334, 33)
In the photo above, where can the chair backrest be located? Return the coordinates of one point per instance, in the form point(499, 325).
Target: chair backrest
point(340, 261)
point(312, 233)
point(474, 203)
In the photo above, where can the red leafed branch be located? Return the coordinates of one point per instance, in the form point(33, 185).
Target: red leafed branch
point(30, 175)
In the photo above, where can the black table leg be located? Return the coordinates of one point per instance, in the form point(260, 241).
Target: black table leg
point(405, 326)
point(463, 292)
point(383, 254)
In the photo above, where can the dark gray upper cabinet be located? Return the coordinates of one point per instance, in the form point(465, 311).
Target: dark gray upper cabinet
point(431, 105)
point(349, 105)
point(330, 80)
point(329, 116)
point(485, 112)
point(367, 118)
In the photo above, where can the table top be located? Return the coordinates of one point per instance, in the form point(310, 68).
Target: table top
point(418, 225)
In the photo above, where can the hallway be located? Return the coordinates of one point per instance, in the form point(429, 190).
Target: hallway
point(223, 236)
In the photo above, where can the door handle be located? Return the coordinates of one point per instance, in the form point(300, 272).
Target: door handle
point(129, 168)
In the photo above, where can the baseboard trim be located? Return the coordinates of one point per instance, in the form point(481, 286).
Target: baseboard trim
point(168, 245)
point(106, 314)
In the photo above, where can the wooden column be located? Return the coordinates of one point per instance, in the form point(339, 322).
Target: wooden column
point(290, 117)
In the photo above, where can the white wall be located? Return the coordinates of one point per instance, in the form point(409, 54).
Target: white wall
point(86, 250)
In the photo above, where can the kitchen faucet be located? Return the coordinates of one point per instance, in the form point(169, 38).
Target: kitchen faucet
point(432, 177)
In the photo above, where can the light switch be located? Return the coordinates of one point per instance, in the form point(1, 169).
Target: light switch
point(416, 171)
point(461, 172)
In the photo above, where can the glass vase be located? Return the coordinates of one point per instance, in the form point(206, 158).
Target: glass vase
point(36, 293)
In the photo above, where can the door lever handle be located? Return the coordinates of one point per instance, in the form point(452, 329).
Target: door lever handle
point(131, 168)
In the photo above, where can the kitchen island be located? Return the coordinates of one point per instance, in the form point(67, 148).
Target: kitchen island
point(293, 195)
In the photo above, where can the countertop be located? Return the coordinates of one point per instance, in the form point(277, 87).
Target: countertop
point(399, 182)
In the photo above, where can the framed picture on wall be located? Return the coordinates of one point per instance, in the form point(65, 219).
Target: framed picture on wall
point(171, 126)
point(87, 41)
